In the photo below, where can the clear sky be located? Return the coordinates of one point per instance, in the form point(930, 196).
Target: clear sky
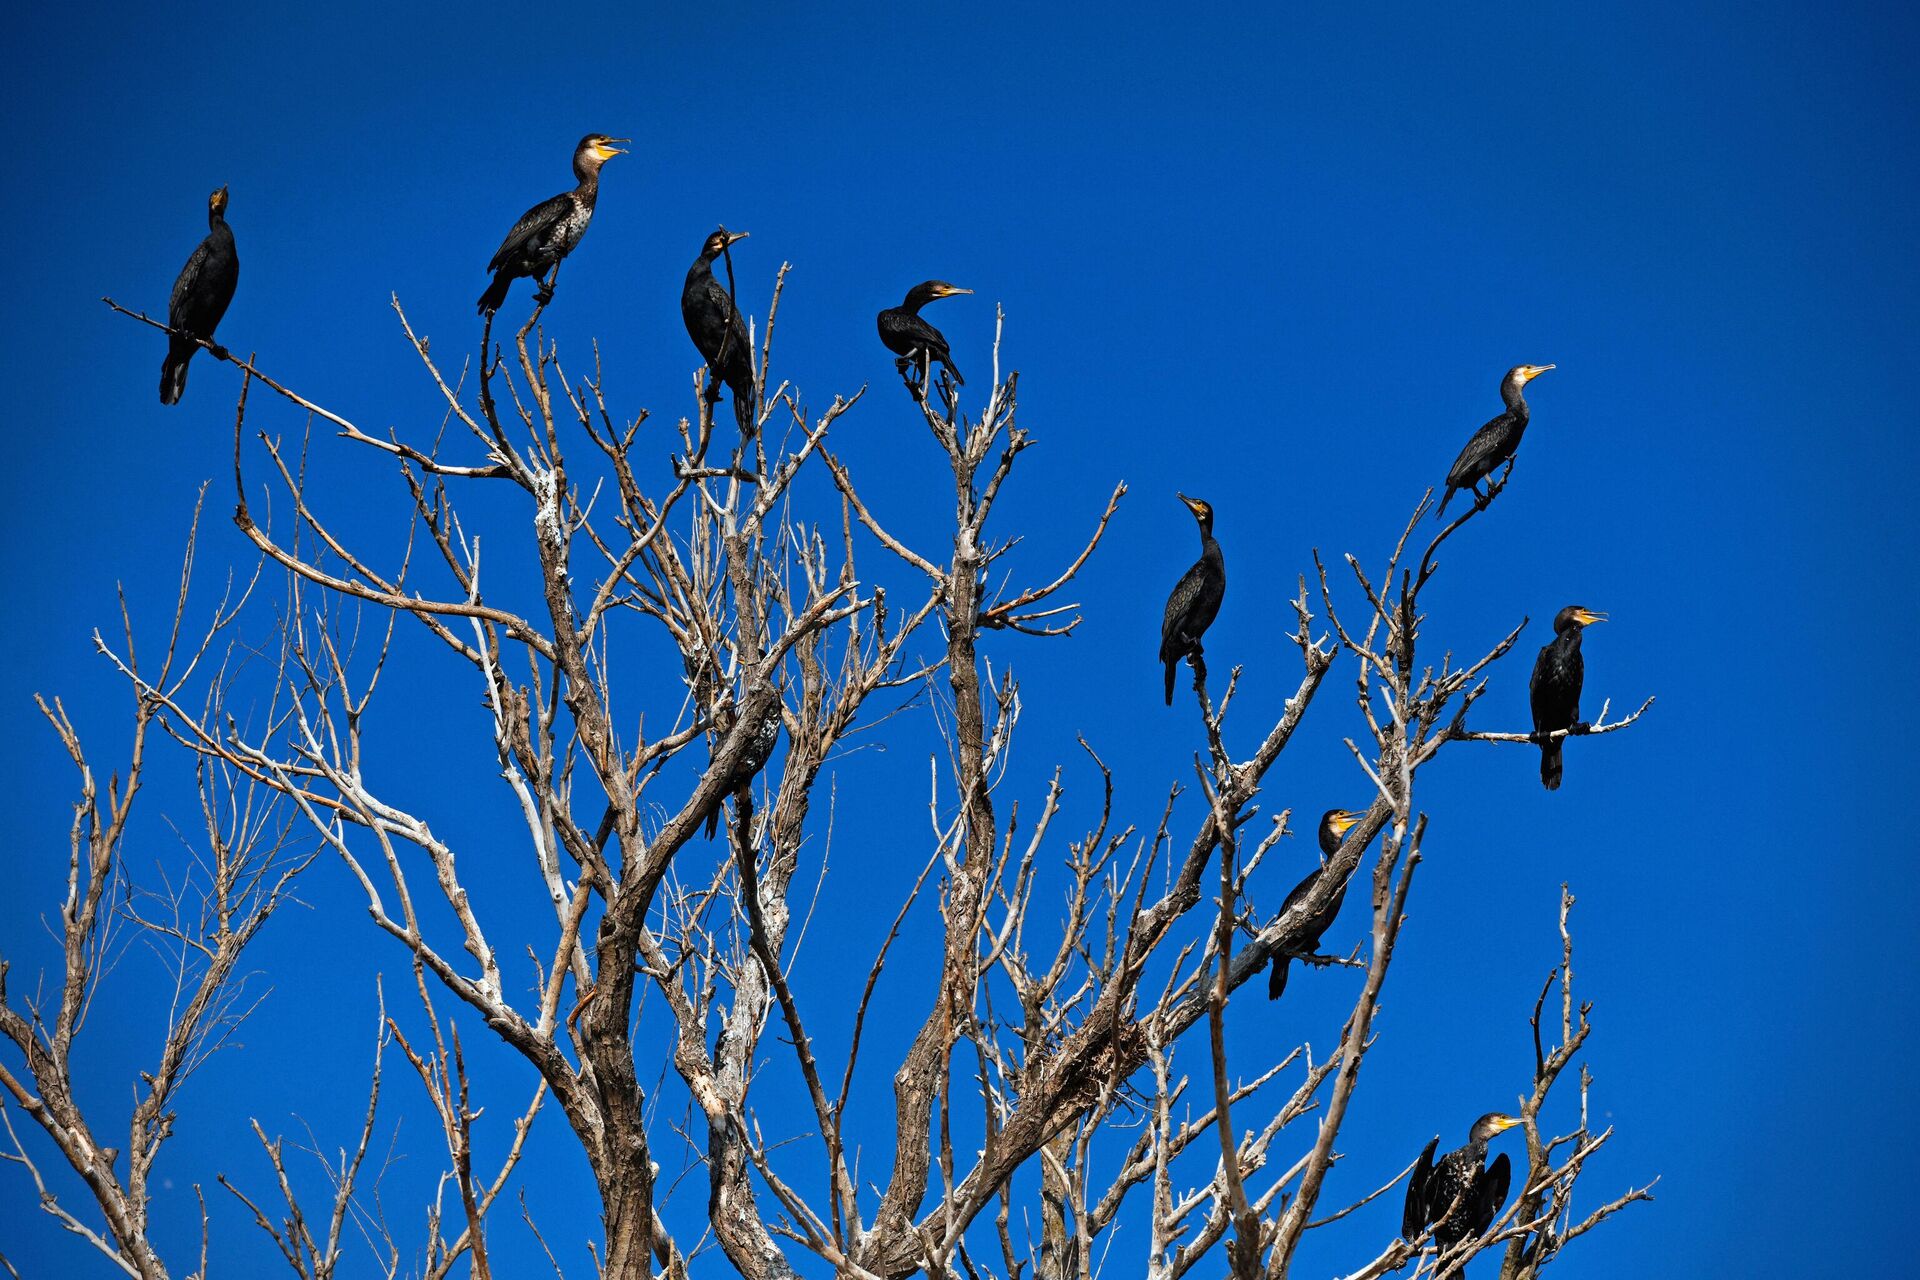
point(1277, 256)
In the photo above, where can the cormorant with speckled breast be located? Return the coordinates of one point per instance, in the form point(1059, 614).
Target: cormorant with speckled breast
point(1461, 1195)
point(752, 760)
point(1558, 673)
point(1195, 601)
point(913, 339)
point(1334, 825)
point(201, 295)
point(1494, 443)
point(551, 229)
point(717, 329)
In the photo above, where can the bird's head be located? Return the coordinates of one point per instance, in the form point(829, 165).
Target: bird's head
point(595, 150)
point(932, 290)
point(1574, 617)
point(1521, 374)
point(1202, 511)
point(217, 203)
point(716, 244)
point(1334, 825)
point(1490, 1125)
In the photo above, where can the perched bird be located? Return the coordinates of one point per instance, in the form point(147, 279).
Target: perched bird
point(1460, 1196)
point(1196, 597)
point(201, 295)
point(551, 229)
point(1494, 443)
point(913, 339)
point(1558, 674)
point(1334, 825)
point(751, 762)
point(718, 331)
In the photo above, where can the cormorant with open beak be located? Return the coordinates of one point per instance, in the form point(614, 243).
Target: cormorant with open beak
point(1460, 1196)
point(1494, 443)
point(200, 298)
point(1195, 601)
point(551, 229)
point(1558, 673)
point(717, 329)
point(1334, 825)
point(913, 339)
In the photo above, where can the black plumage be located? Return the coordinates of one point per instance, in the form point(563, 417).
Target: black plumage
point(550, 230)
point(719, 331)
point(201, 295)
point(1195, 601)
point(752, 760)
point(1558, 673)
point(914, 340)
point(1494, 443)
point(1334, 825)
point(1459, 1196)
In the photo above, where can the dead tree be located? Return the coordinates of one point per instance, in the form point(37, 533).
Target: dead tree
point(1039, 1032)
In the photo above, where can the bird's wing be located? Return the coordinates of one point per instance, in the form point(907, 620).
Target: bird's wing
point(1490, 1193)
point(532, 223)
point(189, 276)
point(1475, 460)
point(1413, 1219)
point(1178, 603)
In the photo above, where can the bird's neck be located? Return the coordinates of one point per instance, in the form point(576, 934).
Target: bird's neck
point(917, 297)
point(1209, 549)
point(1568, 641)
point(1514, 396)
point(589, 188)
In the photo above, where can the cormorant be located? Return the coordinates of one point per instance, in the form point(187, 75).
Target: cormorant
point(1196, 597)
point(1460, 1196)
point(718, 330)
point(1334, 825)
point(751, 762)
point(1494, 443)
point(913, 339)
point(201, 295)
point(1555, 690)
point(549, 231)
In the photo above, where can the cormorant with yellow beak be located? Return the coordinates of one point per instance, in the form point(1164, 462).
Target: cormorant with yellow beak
point(1558, 673)
point(1195, 601)
point(913, 339)
point(551, 229)
point(1334, 825)
point(715, 326)
point(201, 295)
point(1494, 443)
point(1460, 1196)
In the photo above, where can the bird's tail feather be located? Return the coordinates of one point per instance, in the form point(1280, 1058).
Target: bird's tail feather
point(1172, 665)
point(1277, 977)
point(958, 381)
point(713, 819)
point(1444, 500)
point(1550, 764)
point(743, 399)
point(496, 294)
point(173, 376)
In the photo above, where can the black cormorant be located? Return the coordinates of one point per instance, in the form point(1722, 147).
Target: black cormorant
point(1494, 443)
point(1555, 690)
point(200, 297)
point(913, 339)
point(1334, 825)
point(751, 762)
point(1196, 597)
point(1462, 1194)
point(549, 231)
point(718, 331)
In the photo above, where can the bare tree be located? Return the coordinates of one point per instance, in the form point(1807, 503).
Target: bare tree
point(1043, 1063)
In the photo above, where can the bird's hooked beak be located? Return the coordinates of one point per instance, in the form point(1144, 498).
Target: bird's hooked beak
point(218, 201)
point(608, 150)
point(733, 236)
point(1192, 504)
point(950, 291)
point(1587, 617)
point(1504, 1123)
point(1344, 821)
point(1532, 371)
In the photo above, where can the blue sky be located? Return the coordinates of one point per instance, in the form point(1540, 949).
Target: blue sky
point(1276, 257)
